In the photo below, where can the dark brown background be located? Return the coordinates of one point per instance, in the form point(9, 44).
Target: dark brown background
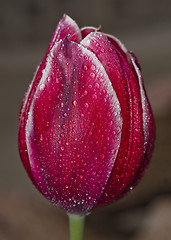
point(25, 30)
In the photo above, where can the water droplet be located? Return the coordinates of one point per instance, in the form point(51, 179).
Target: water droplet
point(123, 81)
point(108, 114)
point(102, 156)
point(118, 129)
point(42, 86)
point(89, 86)
point(81, 176)
point(74, 102)
point(93, 173)
point(94, 96)
point(41, 137)
point(85, 68)
point(99, 115)
point(97, 85)
point(85, 92)
point(62, 134)
point(63, 126)
point(49, 79)
point(65, 114)
point(111, 123)
point(86, 105)
point(93, 67)
point(92, 75)
point(67, 143)
point(62, 148)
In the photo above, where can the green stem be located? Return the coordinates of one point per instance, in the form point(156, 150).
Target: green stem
point(76, 226)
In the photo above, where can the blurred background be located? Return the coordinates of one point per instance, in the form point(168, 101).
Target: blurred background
point(26, 27)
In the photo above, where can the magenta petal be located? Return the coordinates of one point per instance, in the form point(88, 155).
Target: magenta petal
point(65, 27)
point(122, 72)
point(73, 128)
point(87, 30)
point(86, 129)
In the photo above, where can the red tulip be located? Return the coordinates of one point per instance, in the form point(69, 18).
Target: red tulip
point(86, 128)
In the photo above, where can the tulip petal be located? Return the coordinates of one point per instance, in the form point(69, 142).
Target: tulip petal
point(73, 128)
point(131, 156)
point(65, 27)
point(87, 30)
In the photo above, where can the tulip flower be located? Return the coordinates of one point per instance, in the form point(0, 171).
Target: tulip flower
point(86, 129)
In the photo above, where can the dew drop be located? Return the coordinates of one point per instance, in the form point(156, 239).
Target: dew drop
point(42, 86)
point(111, 123)
point(85, 68)
point(62, 134)
point(81, 176)
point(92, 75)
point(49, 79)
point(123, 82)
point(94, 96)
point(41, 137)
point(102, 156)
point(67, 143)
point(93, 67)
point(108, 114)
point(85, 92)
point(74, 102)
point(86, 105)
point(93, 173)
point(65, 114)
point(99, 115)
point(97, 85)
point(62, 148)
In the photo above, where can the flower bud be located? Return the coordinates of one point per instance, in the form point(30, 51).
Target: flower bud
point(86, 129)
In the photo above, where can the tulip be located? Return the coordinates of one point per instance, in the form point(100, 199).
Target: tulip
point(86, 129)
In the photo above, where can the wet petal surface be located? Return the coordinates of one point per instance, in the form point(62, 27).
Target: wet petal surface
point(117, 63)
point(74, 127)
